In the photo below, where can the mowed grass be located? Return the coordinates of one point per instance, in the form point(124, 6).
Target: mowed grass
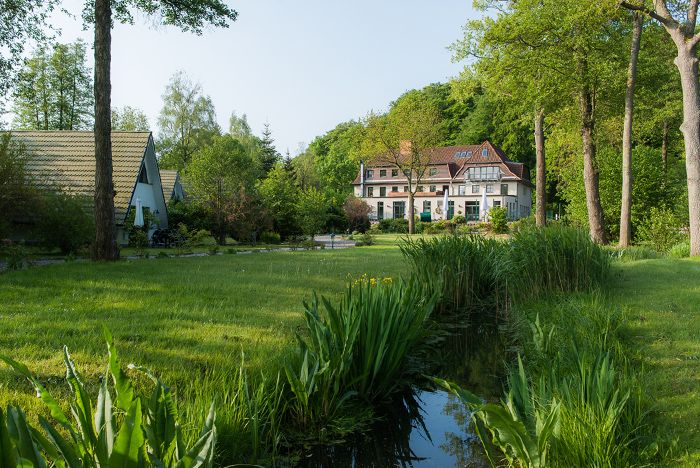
point(661, 299)
point(185, 318)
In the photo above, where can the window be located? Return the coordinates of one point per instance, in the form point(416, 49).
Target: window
point(426, 206)
point(484, 152)
point(405, 188)
point(395, 188)
point(450, 209)
point(394, 172)
point(382, 173)
point(433, 188)
point(469, 154)
point(489, 188)
point(399, 209)
point(419, 188)
point(504, 189)
point(472, 211)
point(496, 203)
point(407, 172)
point(380, 210)
point(483, 173)
point(462, 190)
point(143, 175)
point(382, 191)
point(370, 173)
point(475, 188)
point(370, 192)
point(433, 171)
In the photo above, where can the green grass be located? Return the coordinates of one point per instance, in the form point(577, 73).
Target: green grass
point(661, 300)
point(182, 317)
point(188, 318)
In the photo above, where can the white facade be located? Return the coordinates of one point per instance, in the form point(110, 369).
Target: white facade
point(464, 172)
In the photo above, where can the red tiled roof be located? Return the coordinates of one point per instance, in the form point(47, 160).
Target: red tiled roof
point(456, 159)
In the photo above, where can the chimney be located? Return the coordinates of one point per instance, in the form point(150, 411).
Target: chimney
point(405, 147)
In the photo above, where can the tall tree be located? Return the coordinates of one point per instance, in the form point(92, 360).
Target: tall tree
point(21, 23)
point(625, 212)
point(686, 40)
point(268, 155)
point(280, 195)
point(129, 119)
point(187, 122)
point(405, 138)
point(53, 90)
point(217, 177)
point(188, 15)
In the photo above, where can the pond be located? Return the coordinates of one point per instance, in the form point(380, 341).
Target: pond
point(428, 428)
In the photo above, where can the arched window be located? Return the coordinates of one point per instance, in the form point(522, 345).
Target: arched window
point(484, 152)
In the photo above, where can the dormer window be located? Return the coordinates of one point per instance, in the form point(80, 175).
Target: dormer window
point(433, 171)
point(469, 154)
point(483, 173)
point(484, 152)
point(143, 175)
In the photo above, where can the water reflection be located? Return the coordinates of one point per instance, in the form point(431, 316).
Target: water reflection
point(429, 428)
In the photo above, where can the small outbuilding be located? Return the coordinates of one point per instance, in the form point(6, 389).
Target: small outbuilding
point(65, 160)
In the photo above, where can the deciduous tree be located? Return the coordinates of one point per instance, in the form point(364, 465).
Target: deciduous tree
point(679, 19)
point(405, 138)
point(129, 119)
point(188, 15)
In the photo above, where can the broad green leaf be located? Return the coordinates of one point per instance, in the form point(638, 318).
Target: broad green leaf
point(7, 451)
point(104, 423)
point(122, 385)
point(56, 411)
point(130, 439)
point(81, 406)
point(21, 434)
point(64, 447)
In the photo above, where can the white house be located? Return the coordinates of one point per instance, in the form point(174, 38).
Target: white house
point(66, 160)
point(464, 172)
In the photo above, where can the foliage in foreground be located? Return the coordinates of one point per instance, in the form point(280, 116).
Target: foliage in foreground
point(129, 431)
point(359, 351)
point(573, 400)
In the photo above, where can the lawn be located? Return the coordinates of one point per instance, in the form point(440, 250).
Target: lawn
point(190, 317)
point(661, 299)
point(182, 317)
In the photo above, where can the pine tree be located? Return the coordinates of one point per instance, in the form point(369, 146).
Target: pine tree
point(268, 153)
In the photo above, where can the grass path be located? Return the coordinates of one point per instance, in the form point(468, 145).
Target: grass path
point(662, 302)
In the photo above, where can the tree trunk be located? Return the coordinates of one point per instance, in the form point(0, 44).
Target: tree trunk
point(541, 181)
point(105, 247)
point(664, 146)
point(687, 63)
point(596, 221)
point(626, 211)
point(411, 218)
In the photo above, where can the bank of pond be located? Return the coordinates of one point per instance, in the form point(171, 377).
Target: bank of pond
point(483, 351)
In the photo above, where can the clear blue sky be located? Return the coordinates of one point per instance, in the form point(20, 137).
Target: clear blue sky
point(304, 66)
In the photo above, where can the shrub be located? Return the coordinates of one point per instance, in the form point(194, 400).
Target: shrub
point(660, 231)
point(65, 222)
point(269, 237)
point(522, 223)
point(364, 239)
point(394, 226)
point(499, 219)
point(439, 227)
point(459, 219)
point(309, 244)
point(128, 431)
point(357, 213)
point(681, 250)
point(214, 250)
point(138, 239)
point(14, 254)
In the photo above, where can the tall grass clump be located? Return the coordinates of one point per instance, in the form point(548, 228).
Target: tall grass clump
point(554, 259)
point(250, 412)
point(634, 253)
point(357, 352)
point(680, 250)
point(466, 271)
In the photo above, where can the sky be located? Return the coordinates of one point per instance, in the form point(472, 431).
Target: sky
point(303, 66)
